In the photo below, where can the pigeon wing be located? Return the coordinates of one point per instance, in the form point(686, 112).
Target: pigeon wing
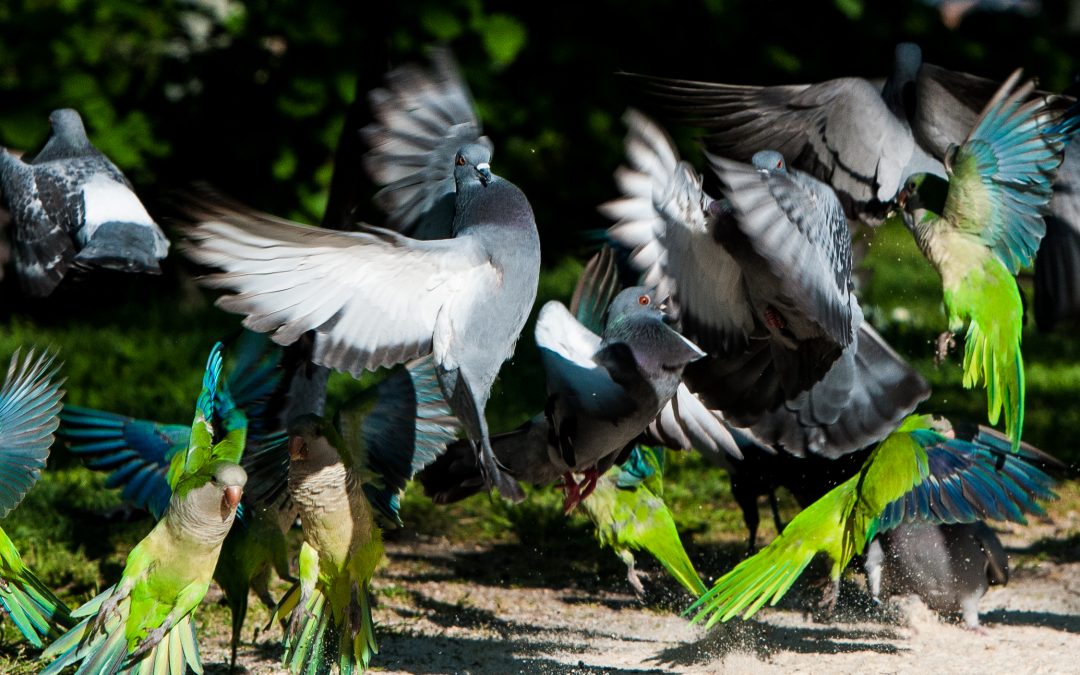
point(374, 297)
point(422, 119)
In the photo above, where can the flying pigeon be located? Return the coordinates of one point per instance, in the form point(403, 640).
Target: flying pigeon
point(762, 282)
point(29, 404)
point(982, 225)
point(144, 622)
point(72, 206)
point(377, 298)
point(949, 566)
point(921, 472)
point(603, 389)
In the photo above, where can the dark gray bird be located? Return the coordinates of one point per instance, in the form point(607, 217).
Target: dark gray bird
point(72, 206)
point(949, 566)
point(376, 297)
point(422, 118)
point(762, 282)
point(603, 391)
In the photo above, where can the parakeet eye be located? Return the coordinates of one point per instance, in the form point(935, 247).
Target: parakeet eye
point(460, 160)
point(644, 300)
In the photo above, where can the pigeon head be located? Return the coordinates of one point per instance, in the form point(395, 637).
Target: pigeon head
point(770, 161)
point(472, 164)
point(67, 125)
point(899, 90)
point(907, 59)
point(923, 192)
point(636, 302)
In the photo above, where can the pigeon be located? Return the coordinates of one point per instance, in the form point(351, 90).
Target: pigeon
point(72, 206)
point(629, 514)
point(789, 355)
point(603, 390)
point(949, 566)
point(377, 298)
point(29, 404)
point(422, 118)
point(852, 133)
point(344, 477)
point(144, 622)
point(982, 225)
point(921, 472)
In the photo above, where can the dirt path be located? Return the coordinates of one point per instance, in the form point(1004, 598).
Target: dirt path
point(506, 609)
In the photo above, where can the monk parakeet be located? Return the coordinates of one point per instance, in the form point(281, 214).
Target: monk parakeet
point(342, 477)
point(628, 510)
point(144, 623)
point(981, 226)
point(29, 403)
point(138, 453)
point(916, 474)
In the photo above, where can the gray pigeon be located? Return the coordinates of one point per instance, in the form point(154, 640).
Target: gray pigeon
point(949, 566)
point(762, 281)
point(72, 206)
point(422, 118)
point(376, 297)
point(849, 132)
point(603, 391)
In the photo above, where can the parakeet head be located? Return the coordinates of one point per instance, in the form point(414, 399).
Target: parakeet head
point(309, 442)
point(215, 500)
point(923, 192)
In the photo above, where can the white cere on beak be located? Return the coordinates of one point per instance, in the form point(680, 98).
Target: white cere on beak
point(483, 166)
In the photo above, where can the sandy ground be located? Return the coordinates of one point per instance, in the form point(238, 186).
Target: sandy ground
point(446, 608)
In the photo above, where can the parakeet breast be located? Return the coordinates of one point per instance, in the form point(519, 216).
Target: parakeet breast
point(334, 512)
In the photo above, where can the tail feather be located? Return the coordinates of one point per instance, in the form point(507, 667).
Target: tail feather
point(32, 607)
point(995, 360)
point(749, 586)
point(313, 636)
point(671, 554)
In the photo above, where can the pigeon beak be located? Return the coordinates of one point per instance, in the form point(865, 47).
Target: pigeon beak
point(233, 493)
point(297, 449)
point(484, 169)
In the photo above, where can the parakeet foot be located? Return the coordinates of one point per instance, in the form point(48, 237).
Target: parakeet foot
point(634, 577)
point(150, 641)
point(945, 342)
point(830, 594)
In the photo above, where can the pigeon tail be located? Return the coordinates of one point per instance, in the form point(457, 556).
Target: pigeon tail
point(122, 246)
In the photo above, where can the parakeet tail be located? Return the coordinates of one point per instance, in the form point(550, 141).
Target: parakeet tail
point(314, 642)
point(32, 607)
point(993, 357)
point(671, 554)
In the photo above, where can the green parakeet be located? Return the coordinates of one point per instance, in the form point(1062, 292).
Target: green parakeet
point(341, 478)
point(916, 474)
point(138, 454)
point(143, 624)
point(628, 510)
point(982, 225)
point(29, 404)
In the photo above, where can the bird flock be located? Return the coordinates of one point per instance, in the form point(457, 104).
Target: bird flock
point(742, 337)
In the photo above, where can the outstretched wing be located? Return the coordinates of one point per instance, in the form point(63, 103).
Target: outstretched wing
point(422, 119)
point(1000, 179)
point(840, 130)
point(596, 288)
point(375, 298)
point(29, 407)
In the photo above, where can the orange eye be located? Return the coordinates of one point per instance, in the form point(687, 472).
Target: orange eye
point(644, 300)
point(461, 160)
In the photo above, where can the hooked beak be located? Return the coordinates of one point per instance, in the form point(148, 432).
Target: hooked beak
point(901, 199)
point(297, 448)
point(484, 169)
point(233, 493)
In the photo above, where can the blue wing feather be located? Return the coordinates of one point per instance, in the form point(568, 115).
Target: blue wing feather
point(29, 403)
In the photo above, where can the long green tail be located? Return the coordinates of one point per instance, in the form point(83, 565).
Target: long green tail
point(31, 605)
point(315, 641)
point(992, 356)
point(662, 541)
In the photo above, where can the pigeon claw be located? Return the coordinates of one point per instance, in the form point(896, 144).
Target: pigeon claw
point(576, 491)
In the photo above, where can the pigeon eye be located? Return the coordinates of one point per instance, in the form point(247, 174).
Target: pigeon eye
point(779, 164)
point(644, 300)
point(460, 160)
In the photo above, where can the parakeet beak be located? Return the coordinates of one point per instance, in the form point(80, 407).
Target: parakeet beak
point(484, 169)
point(233, 493)
point(901, 199)
point(297, 449)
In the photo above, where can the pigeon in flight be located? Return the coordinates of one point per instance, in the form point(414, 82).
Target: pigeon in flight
point(72, 206)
